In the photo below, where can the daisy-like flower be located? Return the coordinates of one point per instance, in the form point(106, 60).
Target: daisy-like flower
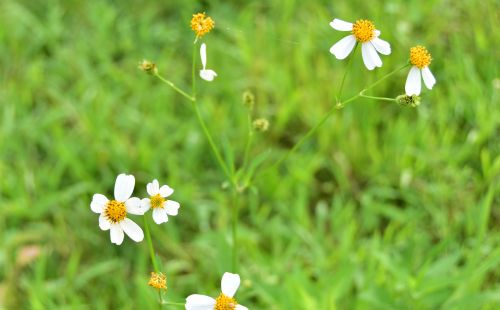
point(364, 32)
point(113, 213)
point(201, 24)
point(206, 74)
point(229, 285)
point(420, 59)
point(162, 207)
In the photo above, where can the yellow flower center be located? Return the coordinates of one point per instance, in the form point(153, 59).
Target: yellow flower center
point(224, 302)
point(363, 30)
point(115, 211)
point(158, 281)
point(201, 25)
point(157, 201)
point(420, 57)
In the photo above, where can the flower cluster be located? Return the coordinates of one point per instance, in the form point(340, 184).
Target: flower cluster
point(113, 213)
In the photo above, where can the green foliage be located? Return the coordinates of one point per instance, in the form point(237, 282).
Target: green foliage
point(385, 207)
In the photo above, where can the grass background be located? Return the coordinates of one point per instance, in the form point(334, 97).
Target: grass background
point(385, 207)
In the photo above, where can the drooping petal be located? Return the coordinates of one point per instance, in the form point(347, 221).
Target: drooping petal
point(116, 234)
point(208, 75)
point(98, 203)
point(134, 206)
point(230, 283)
point(344, 47)
point(153, 188)
point(413, 82)
point(203, 55)
point(132, 230)
point(240, 307)
point(160, 216)
point(428, 77)
point(166, 191)
point(367, 57)
point(374, 55)
point(104, 224)
point(341, 25)
point(146, 204)
point(383, 47)
point(199, 302)
point(172, 207)
point(124, 186)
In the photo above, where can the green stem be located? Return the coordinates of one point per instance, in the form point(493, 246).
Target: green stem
point(177, 89)
point(180, 304)
point(249, 141)
point(349, 62)
point(377, 98)
point(235, 207)
point(150, 244)
point(193, 73)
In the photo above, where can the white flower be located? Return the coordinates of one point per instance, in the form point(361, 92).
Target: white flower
point(363, 31)
point(162, 208)
point(113, 213)
point(206, 74)
point(229, 284)
point(420, 59)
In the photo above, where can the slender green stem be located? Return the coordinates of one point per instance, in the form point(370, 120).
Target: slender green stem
point(180, 304)
point(377, 98)
point(177, 89)
point(249, 141)
point(193, 71)
point(349, 62)
point(150, 244)
point(385, 77)
point(235, 208)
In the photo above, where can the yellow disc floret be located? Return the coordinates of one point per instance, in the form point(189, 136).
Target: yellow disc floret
point(363, 30)
point(157, 201)
point(224, 302)
point(158, 281)
point(201, 24)
point(420, 57)
point(115, 211)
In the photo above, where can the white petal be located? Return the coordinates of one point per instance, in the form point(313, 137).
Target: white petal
point(166, 191)
point(367, 57)
point(413, 82)
point(124, 186)
point(199, 302)
point(341, 25)
point(132, 230)
point(374, 55)
point(377, 32)
point(116, 234)
point(230, 283)
point(240, 307)
point(104, 224)
point(208, 75)
point(153, 188)
point(145, 204)
point(429, 79)
point(344, 47)
point(383, 47)
point(172, 207)
point(98, 203)
point(203, 55)
point(160, 216)
point(134, 206)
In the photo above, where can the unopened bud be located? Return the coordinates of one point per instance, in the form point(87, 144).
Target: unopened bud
point(248, 99)
point(409, 101)
point(261, 124)
point(148, 67)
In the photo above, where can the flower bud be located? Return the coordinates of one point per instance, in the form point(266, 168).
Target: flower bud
point(409, 101)
point(261, 124)
point(148, 67)
point(248, 99)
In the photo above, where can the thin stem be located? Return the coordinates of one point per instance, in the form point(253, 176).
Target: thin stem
point(249, 141)
point(177, 89)
point(180, 304)
point(235, 207)
point(349, 62)
point(193, 75)
point(385, 77)
point(150, 245)
point(376, 98)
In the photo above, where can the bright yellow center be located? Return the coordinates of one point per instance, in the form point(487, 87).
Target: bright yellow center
point(115, 211)
point(420, 57)
point(363, 30)
point(201, 25)
point(158, 281)
point(157, 201)
point(224, 302)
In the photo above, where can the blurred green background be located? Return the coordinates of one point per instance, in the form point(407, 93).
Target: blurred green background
point(386, 207)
